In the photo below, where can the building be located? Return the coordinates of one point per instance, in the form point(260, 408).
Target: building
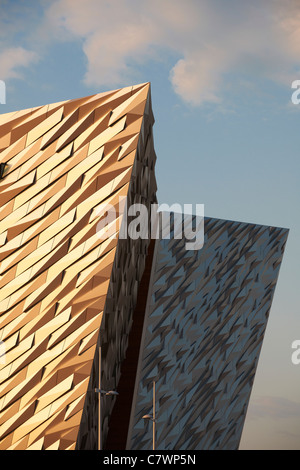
point(84, 303)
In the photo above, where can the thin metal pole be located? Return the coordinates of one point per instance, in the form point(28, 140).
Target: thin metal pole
point(99, 403)
point(153, 415)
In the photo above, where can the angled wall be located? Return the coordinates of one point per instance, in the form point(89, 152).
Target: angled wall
point(63, 288)
point(72, 281)
point(204, 325)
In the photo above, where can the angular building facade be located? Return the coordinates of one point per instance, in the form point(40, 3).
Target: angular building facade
point(205, 320)
point(88, 309)
point(68, 286)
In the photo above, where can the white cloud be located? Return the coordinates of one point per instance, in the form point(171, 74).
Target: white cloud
point(207, 39)
point(211, 39)
point(14, 58)
point(197, 77)
point(115, 35)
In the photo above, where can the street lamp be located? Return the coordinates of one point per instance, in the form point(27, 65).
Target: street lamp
point(152, 417)
point(103, 392)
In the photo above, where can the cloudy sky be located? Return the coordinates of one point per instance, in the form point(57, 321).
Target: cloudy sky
point(226, 133)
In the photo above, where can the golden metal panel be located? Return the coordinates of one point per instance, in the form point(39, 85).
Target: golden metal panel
point(56, 272)
point(44, 126)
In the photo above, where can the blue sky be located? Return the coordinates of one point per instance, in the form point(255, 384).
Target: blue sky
point(226, 132)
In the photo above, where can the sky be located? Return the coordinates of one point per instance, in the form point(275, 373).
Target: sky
point(226, 130)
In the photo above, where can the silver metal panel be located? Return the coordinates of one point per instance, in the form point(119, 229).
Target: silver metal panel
point(204, 326)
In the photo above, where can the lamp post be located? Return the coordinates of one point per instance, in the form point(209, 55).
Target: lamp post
point(100, 393)
point(152, 418)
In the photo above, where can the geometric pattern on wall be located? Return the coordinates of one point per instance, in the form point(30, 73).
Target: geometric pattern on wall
point(58, 276)
point(127, 271)
point(66, 289)
point(204, 326)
